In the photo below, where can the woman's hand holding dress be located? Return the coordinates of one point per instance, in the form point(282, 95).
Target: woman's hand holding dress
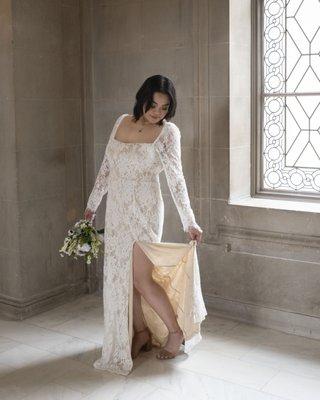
point(195, 234)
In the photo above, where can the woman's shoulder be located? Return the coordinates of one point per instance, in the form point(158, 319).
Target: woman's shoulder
point(122, 119)
point(124, 116)
point(171, 124)
point(170, 136)
point(173, 129)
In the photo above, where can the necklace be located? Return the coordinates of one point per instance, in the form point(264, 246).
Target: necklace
point(143, 125)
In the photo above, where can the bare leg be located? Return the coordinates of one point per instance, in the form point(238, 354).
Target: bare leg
point(138, 319)
point(155, 295)
point(141, 333)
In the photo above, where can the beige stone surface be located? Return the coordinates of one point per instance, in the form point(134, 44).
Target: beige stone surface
point(65, 77)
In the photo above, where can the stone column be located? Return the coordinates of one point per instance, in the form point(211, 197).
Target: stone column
point(41, 152)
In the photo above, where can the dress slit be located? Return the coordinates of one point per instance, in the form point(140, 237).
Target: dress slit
point(129, 177)
point(176, 270)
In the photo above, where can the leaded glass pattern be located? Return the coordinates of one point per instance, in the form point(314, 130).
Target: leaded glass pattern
point(291, 96)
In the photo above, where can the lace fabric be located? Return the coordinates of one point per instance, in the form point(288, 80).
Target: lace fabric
point(129, 175)
point(169, 150)
point(168, 146)
point(100, 187)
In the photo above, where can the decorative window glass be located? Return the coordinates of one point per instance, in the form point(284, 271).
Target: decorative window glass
point(290, 96)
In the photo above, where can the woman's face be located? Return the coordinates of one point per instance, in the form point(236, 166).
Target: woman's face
point(159, 108)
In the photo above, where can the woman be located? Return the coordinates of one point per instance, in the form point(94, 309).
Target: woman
point(140, 147)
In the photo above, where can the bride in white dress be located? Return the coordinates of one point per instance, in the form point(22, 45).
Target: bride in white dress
point(139, 148)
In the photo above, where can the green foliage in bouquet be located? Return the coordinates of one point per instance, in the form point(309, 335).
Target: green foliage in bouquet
point(82, 241)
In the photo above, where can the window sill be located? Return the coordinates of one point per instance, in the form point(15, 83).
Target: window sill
point(277, 204)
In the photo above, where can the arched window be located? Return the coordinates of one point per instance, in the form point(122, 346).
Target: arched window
point(287, 97)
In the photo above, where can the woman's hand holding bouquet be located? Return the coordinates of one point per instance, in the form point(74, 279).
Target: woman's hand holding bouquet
point(89, 214)
point(82, 240)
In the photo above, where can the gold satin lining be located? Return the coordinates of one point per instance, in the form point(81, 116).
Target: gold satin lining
point(176, 269)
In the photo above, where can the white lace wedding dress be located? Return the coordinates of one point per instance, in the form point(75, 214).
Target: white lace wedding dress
point(129, 173)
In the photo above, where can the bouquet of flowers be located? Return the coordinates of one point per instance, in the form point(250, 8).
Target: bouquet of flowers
point(82, 241)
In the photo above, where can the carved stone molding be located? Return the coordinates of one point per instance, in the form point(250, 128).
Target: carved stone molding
point(294, 239)
point(279, 319)
point(19, 309)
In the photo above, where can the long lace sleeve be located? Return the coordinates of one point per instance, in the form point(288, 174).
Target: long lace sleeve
point(169, 149)
point(100, 187)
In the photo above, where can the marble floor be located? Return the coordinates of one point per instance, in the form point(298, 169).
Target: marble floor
point(50, 356)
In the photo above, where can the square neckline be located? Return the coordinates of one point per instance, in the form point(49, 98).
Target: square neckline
point(149, 143)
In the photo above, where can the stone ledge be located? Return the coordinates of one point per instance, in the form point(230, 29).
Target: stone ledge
point(277, 204)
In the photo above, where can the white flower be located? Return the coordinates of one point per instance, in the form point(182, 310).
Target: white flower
point(85, 247)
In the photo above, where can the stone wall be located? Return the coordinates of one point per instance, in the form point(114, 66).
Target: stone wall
point(68, 76)
point(42, 152)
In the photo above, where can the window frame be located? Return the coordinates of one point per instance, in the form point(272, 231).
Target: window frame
point(257, 110)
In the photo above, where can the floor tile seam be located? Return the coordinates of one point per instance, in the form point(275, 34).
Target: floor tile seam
point(214, 377)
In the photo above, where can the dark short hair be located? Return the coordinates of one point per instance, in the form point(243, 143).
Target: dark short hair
point(155, 83)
